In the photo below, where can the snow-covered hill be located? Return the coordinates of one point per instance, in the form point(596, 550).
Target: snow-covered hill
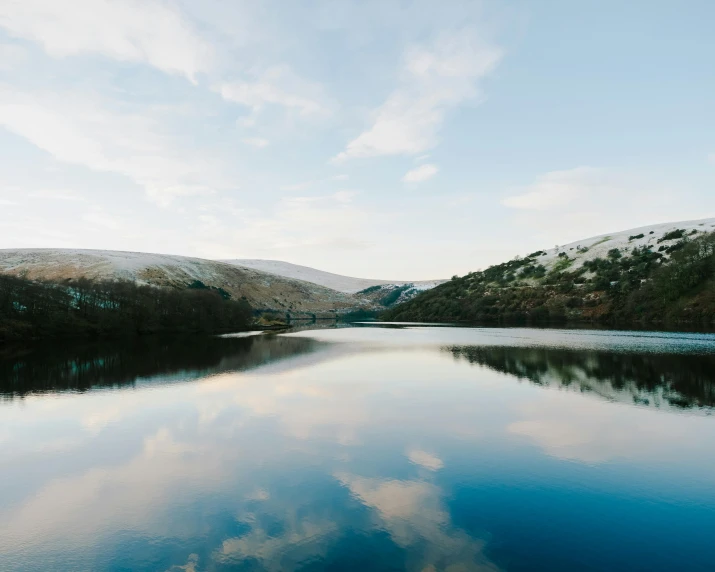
point(262, 290)
point(337, 282)
point(657, 274)
point(625, 240)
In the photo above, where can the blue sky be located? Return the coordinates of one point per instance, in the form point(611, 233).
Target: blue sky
point(405, 140)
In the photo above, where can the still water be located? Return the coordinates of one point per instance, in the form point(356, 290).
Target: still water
point(363, 448)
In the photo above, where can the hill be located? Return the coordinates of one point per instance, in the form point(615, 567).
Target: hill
point(34, 309)
point(263, 291)
point(662, 273)
point(346, 284)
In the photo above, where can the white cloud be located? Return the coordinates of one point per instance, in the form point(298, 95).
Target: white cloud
point(307, 184)
point(413, 513)
point(425, 459)
point(555, 189)
point(567, 426)
point(298, 186)
point(56, 195)
point(562, 206)
point(100, 219)
point(11, 55)
point(344, 196)
point(421, 173)
point(146, 31)
point(191, 563)
point(296, 224)
point(434, 79)
point(164, 193)
point(277, 85)
point(256, 142)
point(79, 131)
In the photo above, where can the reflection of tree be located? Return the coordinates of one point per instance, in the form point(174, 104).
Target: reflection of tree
point(680, 379)
point(53, 367)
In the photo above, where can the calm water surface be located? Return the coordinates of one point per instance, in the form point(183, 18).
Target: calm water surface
point(365, 448)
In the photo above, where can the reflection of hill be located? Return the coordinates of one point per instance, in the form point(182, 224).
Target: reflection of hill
point(649, 379)
point(76, 367)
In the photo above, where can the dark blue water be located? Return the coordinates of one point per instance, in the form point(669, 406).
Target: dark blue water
point(362, 449)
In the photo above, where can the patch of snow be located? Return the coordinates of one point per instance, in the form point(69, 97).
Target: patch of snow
point(109, 263)
point(598, 246)
point(337, 282)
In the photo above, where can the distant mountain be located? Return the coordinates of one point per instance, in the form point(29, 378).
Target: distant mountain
point(346, 284)
point(263, 290)
point(658, 273)
point(267, 285)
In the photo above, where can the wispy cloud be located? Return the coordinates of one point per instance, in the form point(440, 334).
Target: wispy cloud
point(308, 184)
point(327, 223)
point(435, 78)
point(278, 86)
point(561, 206)
point(256, 142)
point(421, 173)
point(150, 31)
point(425, 459)
point(298, 186)
point(56, 195)
point(11, 55)
point(80, 131)
point(554, 189)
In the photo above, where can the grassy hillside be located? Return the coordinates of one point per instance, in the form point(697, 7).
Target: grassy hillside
point(263, 291)
point(346, 284)
point(670, 279)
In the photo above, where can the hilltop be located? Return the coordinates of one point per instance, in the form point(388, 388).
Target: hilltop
point(267, 285)
point(263, 291)
point(658, 273)
point(346, 284)
point(580, 251)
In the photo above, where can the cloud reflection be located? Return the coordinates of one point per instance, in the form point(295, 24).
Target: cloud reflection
point(567, 426)
point(414, 515)
point(309, 444)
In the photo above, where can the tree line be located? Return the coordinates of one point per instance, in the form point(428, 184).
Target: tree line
point(31, 309)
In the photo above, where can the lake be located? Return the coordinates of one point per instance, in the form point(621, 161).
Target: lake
point(391, 447)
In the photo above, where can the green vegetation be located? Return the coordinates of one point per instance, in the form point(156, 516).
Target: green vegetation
point(393, 295)
point(684, 381)
point(198, 285)
point(676, 285)
point(672, 235)
point(359, 315)
point(371, 289)
point(387, 295)
point(83, 308)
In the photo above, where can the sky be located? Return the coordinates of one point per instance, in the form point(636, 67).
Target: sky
point(385, 139)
